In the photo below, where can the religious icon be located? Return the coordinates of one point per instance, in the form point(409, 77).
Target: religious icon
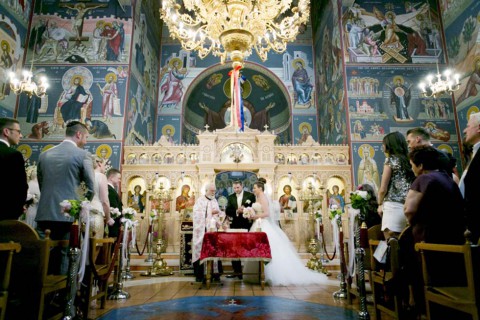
point(136, 200)
point(336, 198)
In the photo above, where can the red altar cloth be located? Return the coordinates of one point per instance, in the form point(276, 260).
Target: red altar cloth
point(235, 246)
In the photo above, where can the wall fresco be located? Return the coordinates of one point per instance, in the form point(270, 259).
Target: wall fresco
point(387, 99)
point(110, 151)
point(13, 29)
point(392, 32)
point(94, 95)
point(140, 115)
point(192, 89)
point(332, 111)
point(463, 44)
point(81, 33)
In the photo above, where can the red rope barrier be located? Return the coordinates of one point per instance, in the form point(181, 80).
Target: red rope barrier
point(324, 247)
point(96, 276)
point(146, 241)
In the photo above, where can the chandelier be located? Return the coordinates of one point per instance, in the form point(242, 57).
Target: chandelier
point(234, 27)
point(442, 84)
point(27, 85)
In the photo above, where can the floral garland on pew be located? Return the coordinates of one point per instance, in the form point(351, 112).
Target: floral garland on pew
point(153, 215)
point(129, 214)
point(359, 206)
point(79, 210)
point(335, 217)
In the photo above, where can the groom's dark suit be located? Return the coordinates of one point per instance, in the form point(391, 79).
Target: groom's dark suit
point(115, 202)
point(238, 221)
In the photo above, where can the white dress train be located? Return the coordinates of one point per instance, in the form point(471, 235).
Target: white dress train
point(286, 268)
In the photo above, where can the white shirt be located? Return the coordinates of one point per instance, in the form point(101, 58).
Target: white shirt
point(239, 199)
point(6, 142)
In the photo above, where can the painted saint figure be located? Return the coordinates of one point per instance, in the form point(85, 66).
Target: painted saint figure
point(336, 198)
point(184, 200)
point(6, 66)
point(171, 84)
point(73, 99)
point(301, 83)
point(288, 202)
point(109, 94)
point(136, 200)
point(400, 98)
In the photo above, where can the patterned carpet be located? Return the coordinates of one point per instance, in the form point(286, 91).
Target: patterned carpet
point(196, 308)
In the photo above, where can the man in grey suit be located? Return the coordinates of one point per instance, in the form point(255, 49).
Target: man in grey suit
point(60, 171)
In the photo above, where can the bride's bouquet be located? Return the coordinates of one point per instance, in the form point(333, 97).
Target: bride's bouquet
point(249, 213)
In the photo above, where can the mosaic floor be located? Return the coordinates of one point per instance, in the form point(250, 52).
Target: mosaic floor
point(194, 308)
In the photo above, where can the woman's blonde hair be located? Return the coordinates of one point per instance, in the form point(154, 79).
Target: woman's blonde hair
point(96, 160)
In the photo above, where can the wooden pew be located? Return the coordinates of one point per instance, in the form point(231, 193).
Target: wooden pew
point(6, 251)
point(31, 281)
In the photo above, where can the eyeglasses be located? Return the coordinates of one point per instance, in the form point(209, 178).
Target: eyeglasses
point(19, 131)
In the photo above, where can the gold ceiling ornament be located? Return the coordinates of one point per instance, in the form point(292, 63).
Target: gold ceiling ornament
point(234, 27)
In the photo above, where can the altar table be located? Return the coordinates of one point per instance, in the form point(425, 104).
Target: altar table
point(230, 246)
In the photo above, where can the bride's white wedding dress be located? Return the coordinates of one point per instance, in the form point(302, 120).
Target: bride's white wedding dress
point(286, 267)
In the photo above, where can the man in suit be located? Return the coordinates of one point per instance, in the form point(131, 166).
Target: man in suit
point(60, 171)
point(238, 201)
point(14, 193)
point(470, 181)
point(113, 177)
point(419, 137)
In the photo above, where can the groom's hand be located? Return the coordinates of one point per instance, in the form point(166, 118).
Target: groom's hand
point(240, 211)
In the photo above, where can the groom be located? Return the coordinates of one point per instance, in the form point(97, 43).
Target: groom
point(237, 201)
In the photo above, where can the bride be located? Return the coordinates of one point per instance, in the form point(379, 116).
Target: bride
point(285, 268)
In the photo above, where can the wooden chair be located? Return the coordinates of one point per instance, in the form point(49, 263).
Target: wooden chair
point(460, 293)
point(7, 250)
point(100, 258)
point(374, 233)
point(385, 281)
point(30, 278)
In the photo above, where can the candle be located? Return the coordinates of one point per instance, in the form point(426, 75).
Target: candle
point(318, 228)
point(74, 236)
point(213, 224)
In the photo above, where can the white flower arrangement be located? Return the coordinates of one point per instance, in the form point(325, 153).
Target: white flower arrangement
point(115, 213)
point(249, 213)
point(153, 214)
point(74, 208)
point(129, 213)
point(248, 202)
point(335, 211)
